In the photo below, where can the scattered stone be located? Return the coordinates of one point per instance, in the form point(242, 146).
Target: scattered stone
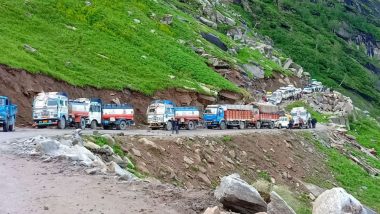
point(137, 21)
point(238, 196)
point(46, 208)
point(92, 171)
point(167, 19)
point(114, 167)
point(311, 196)
point(212, 210)
point(208, 22)
point(204, 178)
point(136, 152)
point(337, 200)
point(109, 138)
point(188, 160)
point(278, 205)
point(29, 48)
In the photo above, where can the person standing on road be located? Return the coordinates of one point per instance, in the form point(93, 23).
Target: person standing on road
point(291, 122)
point(172, 121)
point(314, 122)
point(177, 126)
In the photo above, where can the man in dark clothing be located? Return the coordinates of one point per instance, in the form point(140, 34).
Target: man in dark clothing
point(177, 126)
point(314, 122)
point(291, 122)
point(173, 122)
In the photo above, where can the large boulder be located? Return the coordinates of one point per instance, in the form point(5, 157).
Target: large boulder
point(278, 205)
point(214, 40)
point(255, 70)
point(337, 200)
point(237, 195)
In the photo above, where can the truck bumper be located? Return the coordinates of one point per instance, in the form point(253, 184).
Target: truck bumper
point(46, 122)
point(213, 124)
point(156, 125)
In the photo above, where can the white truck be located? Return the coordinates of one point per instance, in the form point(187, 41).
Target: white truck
point(50, 109)
point(301, 117)
point(161, 112)
point(85, 112)
point(275, 98)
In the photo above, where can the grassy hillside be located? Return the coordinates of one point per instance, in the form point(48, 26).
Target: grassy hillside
point(106, 44)
point(306, 31)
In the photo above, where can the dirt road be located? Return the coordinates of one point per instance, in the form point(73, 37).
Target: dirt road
point(29, 186)
point(28, 132)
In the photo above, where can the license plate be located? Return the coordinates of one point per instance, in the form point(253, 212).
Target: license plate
point(45, 121)
point(112, 119)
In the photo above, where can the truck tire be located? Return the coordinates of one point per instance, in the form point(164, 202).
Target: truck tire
point(5, 127)
point(169, 126)
point(271, 125)
point(241, 125)
point(94, 124)
point(82, 123)
point(12, 126)
point(190, 125)
point(62, 123)
point(122, 125)
point(222, 125)
point(258, 125)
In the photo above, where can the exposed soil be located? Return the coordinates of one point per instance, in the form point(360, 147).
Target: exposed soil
point(282, 155)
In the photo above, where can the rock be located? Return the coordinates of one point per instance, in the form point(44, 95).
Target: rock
point(287, 64)
point(114, 167)
point(109, 139)
point(91, 146)
point(278, 205)
point(136, 152)
point(167, 19)
point(116, 100)
point(208, 22)
point(204, 178)
point(212, 210)
point(235, 33)
point(237, 195)
point(137, 21)
point(29, 48)
point(214, 40)
point(188, 160)
point(255, 70)
point(150, 144)
point(232, 154)
point(337, 200)
point(92, 171)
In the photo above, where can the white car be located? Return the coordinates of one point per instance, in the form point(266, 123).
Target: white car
point(307, 90)
point(282, 122)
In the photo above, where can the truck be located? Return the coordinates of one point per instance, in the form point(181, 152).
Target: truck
point(161, 112)
point(301, 117)
point(118, 116)
point(8, 113)
point(84, 112)
point(241, 116)
point(50, 109)
point(228, 116)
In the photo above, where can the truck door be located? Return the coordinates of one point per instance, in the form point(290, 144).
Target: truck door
point(95, 113)
point(169, 113)
point(220, 115)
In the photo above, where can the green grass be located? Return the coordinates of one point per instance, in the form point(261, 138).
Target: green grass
point(367, 132)
point(320, 117)
point(300, 203)
point(107, 49)
point(353, 178)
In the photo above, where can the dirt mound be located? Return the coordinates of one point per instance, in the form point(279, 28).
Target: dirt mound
point(201, 161)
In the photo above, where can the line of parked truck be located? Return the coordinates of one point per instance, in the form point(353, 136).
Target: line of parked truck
point(56, 109)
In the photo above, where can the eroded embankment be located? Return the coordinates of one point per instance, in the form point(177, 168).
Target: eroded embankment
point(22, 86)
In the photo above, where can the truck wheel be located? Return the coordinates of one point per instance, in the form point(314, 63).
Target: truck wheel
point(122, 126)
point(258, 125)
point(82, 123)
point(94, 124)
point(169, 126)
point(12, 127)
point(222, 125)
point(5, 127)
point(271, 125)
point(190, 125)
point(241, 125)
point(62, 123)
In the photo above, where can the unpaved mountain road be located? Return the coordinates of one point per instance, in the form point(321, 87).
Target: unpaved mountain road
point(30, 186)
point(28, 132)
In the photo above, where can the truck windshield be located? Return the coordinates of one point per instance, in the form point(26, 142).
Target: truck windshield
point(52, 102)
point(2, 102)
point(210, 110)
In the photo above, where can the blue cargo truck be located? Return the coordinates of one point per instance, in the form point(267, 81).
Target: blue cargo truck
point(8, 113)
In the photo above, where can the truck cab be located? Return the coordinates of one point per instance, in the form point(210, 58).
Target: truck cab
point(213, 116)
point(301, 117)
point(8, 113)
point(51, 109)
point(159, 113)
